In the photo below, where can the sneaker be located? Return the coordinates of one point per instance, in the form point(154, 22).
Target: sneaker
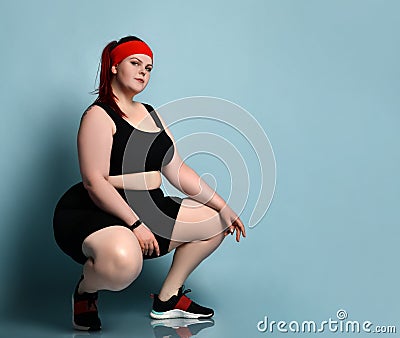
point(179, 306)
point(84, 310)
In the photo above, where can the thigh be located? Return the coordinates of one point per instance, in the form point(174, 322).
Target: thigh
point(195, 221)
point(112, 240)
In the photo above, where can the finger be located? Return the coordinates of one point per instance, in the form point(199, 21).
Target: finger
point(231, 230)
point(242, 227)
point(151, 248)
point(146, 248)
point(237, 234)
point(156, 247)
point(141, 243)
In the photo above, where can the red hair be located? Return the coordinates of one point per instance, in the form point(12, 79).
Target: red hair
point(104, 91)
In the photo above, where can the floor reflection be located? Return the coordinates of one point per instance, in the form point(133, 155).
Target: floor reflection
point(179, 327)
point(82, 334)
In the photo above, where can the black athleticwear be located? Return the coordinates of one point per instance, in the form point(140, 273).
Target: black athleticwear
point(146, 151)
point(76, 216)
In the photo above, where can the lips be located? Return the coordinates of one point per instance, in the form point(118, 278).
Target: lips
point(140, 80)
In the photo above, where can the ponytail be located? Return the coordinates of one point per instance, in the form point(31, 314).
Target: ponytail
point(104, 91)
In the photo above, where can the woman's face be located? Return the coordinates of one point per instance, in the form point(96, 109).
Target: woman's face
point(133, 73)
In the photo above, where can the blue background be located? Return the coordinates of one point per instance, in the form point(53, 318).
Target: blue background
point(321, 77)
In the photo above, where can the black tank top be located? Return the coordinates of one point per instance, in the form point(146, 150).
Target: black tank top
point(134, 150)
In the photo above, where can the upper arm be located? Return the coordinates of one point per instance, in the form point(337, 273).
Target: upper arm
point(172, 168)
point(95, 137)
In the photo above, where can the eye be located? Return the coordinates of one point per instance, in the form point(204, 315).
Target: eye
point(134, 63)
point(149, 69)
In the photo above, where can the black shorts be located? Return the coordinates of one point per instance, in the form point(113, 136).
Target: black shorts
point(76, 217)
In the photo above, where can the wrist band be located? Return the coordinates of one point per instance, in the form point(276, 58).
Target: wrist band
point(135, 225)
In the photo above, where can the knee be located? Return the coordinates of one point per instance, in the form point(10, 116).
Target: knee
point(125, 259)
point(218, 237)
point(216, 240)
point(218, 230)
point(124, 266)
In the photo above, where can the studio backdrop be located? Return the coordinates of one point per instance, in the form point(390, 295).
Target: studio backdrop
point(289, 109)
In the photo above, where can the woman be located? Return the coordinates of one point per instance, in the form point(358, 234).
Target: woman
point(118, 215)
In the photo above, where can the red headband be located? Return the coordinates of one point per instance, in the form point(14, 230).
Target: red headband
point(128, 48)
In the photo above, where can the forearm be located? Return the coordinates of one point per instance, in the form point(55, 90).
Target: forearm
point(107, 198)
point(195, 187)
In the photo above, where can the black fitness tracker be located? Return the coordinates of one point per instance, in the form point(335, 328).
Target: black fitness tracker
point(135, 225)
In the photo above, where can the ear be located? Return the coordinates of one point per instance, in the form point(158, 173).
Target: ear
point(114, 69)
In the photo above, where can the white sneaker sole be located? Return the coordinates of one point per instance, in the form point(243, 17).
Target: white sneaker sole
point(176, 313)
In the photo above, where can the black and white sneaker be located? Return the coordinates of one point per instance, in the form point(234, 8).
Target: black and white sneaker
point(179, 306)
point(85, 315)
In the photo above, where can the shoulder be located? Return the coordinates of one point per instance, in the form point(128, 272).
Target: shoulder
point(97, 108)
point(98, 115)
point(155, 113)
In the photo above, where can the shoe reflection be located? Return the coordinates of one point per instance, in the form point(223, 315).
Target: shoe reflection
point(179, 327)
point(82, 334)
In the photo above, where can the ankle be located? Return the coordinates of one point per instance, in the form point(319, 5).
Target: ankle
point(82, 288)
point(166, 295)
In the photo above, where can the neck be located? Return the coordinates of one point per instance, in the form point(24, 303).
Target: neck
point(124, 97)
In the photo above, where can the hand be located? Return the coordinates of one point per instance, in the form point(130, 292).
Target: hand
point(147, 241)
point(233, 223)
